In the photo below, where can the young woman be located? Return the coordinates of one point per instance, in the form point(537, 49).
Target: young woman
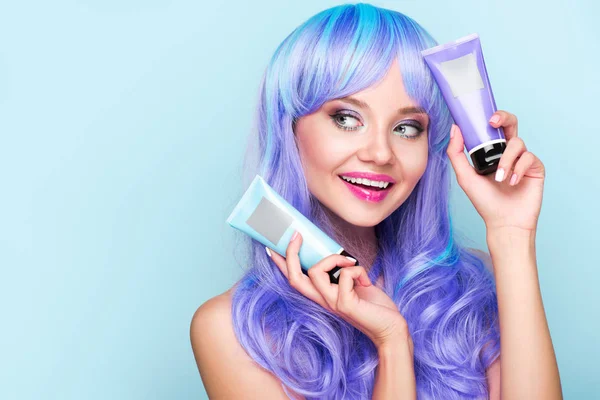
point(347, 94)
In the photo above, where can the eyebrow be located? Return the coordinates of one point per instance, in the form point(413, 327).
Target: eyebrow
point(402, 110)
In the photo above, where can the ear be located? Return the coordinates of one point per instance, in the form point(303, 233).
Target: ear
point(294, 133)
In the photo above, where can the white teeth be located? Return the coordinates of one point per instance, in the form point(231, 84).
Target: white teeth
point(365, 181)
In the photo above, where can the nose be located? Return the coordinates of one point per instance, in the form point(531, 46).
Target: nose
point(377, 148)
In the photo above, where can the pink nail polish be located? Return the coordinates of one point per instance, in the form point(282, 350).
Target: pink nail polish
point(294, 235)
point(513, 180)
point(495, 119)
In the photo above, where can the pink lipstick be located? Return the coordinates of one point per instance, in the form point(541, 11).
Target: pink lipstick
point(366, 192)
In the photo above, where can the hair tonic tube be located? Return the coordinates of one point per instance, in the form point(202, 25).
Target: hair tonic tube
point(268, 218)
point(459, 70)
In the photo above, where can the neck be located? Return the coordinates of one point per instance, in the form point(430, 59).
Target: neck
point(360, 241)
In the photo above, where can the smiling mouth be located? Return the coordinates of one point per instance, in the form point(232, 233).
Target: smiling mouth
point(368, 187)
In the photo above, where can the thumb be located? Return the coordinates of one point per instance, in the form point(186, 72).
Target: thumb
point(456, 153)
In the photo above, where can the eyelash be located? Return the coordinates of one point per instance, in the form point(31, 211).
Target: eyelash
point(413, 124)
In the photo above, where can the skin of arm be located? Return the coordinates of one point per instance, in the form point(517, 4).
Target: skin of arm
point(528, 363)
point(395, 375)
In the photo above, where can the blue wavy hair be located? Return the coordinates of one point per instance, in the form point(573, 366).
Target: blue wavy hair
point(442, 289)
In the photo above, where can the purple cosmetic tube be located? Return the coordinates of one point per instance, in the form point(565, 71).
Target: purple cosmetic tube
point(459, 70)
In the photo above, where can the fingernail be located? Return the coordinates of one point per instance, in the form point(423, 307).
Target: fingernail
point(294, 235)
point(499, 175)
point(452, 132)
point(268, 251)
point(495, 119)
point(351, 259)
point(513, 180)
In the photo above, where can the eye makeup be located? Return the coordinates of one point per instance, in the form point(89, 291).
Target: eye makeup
point(416, 125)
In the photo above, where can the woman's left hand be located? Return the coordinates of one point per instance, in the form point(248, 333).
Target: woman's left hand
point(500, 204)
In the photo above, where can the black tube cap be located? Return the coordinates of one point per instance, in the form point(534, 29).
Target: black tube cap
point(485, 160)
point(334, 275)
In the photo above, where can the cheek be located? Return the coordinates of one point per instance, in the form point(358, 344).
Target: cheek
point(319, 153)
point(421, 165)
point(414, 162)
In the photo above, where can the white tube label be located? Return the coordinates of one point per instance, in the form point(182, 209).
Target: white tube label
point(462, 74)
point(269, 220)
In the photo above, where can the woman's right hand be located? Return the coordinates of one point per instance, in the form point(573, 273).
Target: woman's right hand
point(365, 306)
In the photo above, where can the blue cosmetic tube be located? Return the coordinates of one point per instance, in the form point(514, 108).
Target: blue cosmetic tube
point(268, 218)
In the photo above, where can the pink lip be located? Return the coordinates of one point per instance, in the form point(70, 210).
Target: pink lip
point(366, 194)
point(370, 176)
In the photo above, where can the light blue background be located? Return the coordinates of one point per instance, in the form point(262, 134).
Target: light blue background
point(122, 126)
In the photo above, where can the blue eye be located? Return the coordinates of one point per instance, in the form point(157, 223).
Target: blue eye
point(415, 126)
point(339, 119)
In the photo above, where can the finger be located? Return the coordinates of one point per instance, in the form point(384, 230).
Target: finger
point(347, 297)
point(292, 258)
point(302, 283)
point(331, 261)
point(507, 121)
point(320, 278)
point(525, 163)
point(456, 153)
point(515, 148)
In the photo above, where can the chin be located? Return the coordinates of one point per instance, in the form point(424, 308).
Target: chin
point(355, 218)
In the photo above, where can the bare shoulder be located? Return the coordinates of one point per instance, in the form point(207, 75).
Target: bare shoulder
point(487, 259)
point(222, 361)
point(216, 309)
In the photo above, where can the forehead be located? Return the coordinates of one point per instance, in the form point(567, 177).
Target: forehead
point(389, 91)
point(390, 86)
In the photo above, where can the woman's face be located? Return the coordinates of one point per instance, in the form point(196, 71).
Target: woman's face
point(385, 134)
